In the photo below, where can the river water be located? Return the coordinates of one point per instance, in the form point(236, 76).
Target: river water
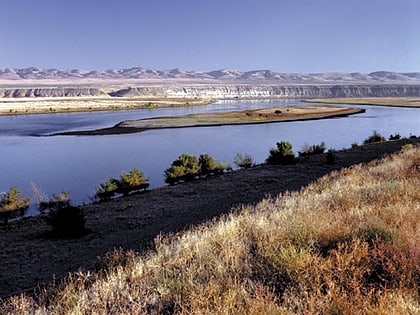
point(78, 164)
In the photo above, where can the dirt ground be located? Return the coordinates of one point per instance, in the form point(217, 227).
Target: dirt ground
point(29, 259)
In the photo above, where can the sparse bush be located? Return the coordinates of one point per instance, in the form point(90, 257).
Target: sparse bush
point(184, 168)
point(132, 181)
point(395, 137)
point(208, 165)
point(58, 201)
point(107, 190)
point(188, 167)
point(13, 205)
point(283, 154)
point(129, 181)
point(312, 149)
point(354, 145)
point(374, 138)
point(67, 222)
point(243, 161)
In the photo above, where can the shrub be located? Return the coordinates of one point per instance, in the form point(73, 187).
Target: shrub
point(58, 201)
point(132, 181)
point(188, 167)
point(184, 168)
point(312, 149)
point(283, 154)
point(395, 137)
point(13, 205)
point(243, 161)
point(67, 222)
point(107, 190)
point(129, 181)
point(375, 137)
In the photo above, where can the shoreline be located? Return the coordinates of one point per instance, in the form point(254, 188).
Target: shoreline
point(135, 126)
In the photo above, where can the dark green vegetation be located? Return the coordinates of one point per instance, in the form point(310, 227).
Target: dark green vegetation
point(243, 161)
point(313, 149)
point(13, 205)
point(128, 182)
point(375, 137)
point(189, 167)
point(283, 154)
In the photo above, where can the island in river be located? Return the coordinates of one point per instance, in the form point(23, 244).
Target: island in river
point(257, 116)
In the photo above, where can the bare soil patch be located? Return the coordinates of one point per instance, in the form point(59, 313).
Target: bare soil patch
point(30, 259)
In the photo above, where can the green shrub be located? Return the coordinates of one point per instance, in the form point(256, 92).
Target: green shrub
point(395, 137)
point(243, 161)
point(67, 222)
point(184, 168)
point(188, 167)
point(132, 181)
point(107, 190)
point(312, 149)
point(129, 181)
point(58, 201)
point(13, 205)
point(283, 154)
point(374, 138)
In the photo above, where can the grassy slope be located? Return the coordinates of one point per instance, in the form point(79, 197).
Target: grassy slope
point(348, 243)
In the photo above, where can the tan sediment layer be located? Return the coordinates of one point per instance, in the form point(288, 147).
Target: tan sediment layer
point(29, 259)
point(258, 116)
point(380, 101)
point(25, 106)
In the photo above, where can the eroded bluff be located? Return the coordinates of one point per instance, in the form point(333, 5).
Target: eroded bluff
point(222, 91)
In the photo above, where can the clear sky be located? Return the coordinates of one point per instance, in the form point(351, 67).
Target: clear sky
point(282, 35)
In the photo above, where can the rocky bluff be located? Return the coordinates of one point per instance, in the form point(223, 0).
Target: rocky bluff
point(220, 91)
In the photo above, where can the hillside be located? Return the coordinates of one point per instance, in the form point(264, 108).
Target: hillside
point(346, 242)
point(224, 75)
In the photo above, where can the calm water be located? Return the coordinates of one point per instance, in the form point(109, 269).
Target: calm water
point(79, 164)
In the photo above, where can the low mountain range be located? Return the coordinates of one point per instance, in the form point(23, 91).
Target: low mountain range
point(8, 76)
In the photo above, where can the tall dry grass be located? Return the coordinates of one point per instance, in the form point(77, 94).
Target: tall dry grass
point(346, 244)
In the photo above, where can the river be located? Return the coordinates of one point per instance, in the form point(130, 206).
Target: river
point(78, 164)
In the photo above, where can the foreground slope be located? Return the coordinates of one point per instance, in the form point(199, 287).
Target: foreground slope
point(347, 243)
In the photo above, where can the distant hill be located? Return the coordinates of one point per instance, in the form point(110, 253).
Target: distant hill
point(32, 74)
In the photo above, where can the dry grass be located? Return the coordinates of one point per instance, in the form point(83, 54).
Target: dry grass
point(346, 244)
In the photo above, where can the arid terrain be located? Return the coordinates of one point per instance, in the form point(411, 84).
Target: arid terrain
point(31, 258)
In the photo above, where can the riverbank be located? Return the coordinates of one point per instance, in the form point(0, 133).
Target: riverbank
point(50, 105)
point(258, 116)
point(380, 101)
point(30, 258)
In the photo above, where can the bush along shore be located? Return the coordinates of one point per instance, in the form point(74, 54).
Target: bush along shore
point(345, 243)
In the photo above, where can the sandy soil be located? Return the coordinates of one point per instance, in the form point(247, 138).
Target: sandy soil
point(29, 259)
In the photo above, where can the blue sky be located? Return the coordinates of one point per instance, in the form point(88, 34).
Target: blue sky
point(282, 35)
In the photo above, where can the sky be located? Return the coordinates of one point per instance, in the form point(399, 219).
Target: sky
point(291, 36)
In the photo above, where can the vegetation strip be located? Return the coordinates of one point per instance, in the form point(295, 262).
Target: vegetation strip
point(258, 116)
point(380, 101)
